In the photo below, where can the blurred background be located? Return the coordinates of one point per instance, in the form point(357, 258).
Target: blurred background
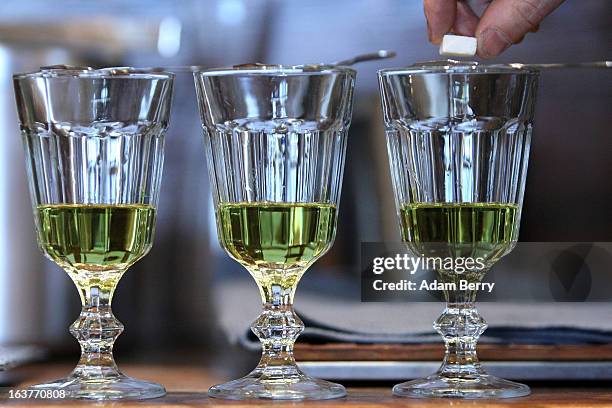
point(187, 294)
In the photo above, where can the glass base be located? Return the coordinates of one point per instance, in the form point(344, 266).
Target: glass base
point(474, 387)
point(117, 388)
point(291, 387)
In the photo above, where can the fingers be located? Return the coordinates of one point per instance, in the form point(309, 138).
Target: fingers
point(466, 20)
point(440, 16)
point(505, 22)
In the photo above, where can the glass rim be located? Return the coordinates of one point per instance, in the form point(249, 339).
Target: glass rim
point(275, 70)
point(64, 71)
point(459, 68)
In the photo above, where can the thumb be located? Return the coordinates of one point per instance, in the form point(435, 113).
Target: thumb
point(505, 22)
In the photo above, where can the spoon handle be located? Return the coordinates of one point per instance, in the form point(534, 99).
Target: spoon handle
point(594, 64)
point(371, 56)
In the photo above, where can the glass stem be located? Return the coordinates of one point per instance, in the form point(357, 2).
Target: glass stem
point(277, 327)
point(96, 330)
point(460, 325)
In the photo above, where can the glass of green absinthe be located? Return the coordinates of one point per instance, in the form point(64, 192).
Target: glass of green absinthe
point(94, 143)
point(275, 140)
point(458, 137)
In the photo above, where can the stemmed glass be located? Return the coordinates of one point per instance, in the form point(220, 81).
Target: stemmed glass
point(275, 141)
point(458, 137)
point(94, 142)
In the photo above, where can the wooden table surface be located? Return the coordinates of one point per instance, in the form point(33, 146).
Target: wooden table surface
point(435, 352)
point(187, 388)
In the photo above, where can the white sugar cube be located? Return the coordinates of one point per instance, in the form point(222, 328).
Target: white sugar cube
point(458, 46)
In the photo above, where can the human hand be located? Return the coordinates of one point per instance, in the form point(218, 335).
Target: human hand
point(503, 23)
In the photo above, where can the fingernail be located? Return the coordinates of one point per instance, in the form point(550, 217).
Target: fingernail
point(492, 42)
